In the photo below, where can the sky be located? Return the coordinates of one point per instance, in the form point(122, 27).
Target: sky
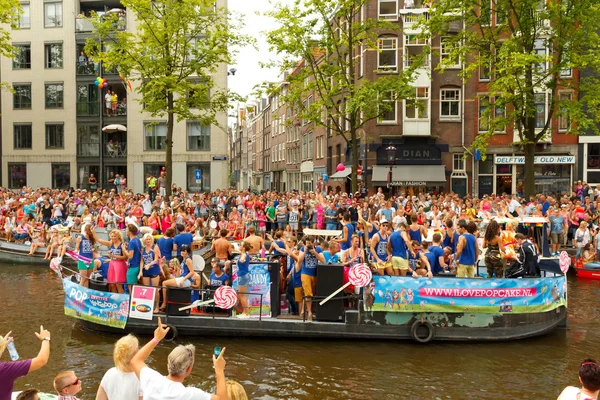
point(249, 72)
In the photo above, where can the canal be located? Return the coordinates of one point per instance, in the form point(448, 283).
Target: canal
point(282, 369)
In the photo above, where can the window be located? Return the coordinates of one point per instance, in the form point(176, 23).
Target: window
point(87, 100)
point(22, 136)
point(155, 135)
point(24, 19)
point(198, 136)
point(486, 12)
point(281, 151)
point(564, 120)
point(53, 53)
point(61, 176)
point(17, 175)
point(307, 182)
point(22, 58)
point(310, 146)
point(485, 70)
point(414, 50)
point(447, 45)
point(55, 136)
point(541, 50)
point(418, 108)
point(388, 113)
point(22, 96)
point(484, 116)
point(52, 15)
point(88, 140)
point(540, 110)
point(54, 95)
point(362, 59)
point(499, 114)
point(388, 9)
point(450, 104)
point(304, 148)
point(458, 162)
point(387, 58)
point(501, 14)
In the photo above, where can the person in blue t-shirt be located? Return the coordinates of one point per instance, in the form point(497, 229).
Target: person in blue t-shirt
point(467, 251)
point(165, 244)
point(182, 239)
point(436, 249)
point(217, 276)
point(309, 256)
point(331, 254)
point(134, 252)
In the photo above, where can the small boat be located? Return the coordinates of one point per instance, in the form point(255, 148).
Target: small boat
point(11, 252)
point(586, 273)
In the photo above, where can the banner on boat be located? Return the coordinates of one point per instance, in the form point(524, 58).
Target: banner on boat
point(259, 283)
point(519, 296)
point(110, 309)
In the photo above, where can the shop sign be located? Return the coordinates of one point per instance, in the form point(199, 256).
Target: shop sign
point(550, 159)
point(409, 183)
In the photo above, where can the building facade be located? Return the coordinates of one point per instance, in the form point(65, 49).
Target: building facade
point(56, 102)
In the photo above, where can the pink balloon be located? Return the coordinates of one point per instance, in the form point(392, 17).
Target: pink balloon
point(340, 167)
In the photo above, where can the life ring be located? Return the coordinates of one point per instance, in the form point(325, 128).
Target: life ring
point(430, 331)
point(172, 334)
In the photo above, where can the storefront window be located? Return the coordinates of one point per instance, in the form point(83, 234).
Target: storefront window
point(61, 176)
point(83, 174)
point(486, 185)
point(504, 169)
point(202, 184)
point(459, 186)
point(549, 178)
point(593, 161)
point(17, 175)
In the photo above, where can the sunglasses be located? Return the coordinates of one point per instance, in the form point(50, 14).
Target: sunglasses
point(77, 382)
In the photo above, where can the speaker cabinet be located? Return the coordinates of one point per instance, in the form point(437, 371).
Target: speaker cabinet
point(330, 277)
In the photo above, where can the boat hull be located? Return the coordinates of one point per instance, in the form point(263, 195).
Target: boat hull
point(17, 254)
point(588, 273)
point(376, 325)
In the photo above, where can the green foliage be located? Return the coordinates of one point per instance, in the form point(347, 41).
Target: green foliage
point(175, 49)
point(319, 42)
point(525, 55)
point(171, 57)
point(9, 14)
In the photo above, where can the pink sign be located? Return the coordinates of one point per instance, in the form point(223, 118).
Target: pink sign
point(140, 292)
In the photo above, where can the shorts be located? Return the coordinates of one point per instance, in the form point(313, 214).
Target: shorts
point(557, 238)
point(81, 266)
point(243, 280)
point(294, 226)
point(182, 282)
point(262, 228)
point(309, 284)
point(298, 294)
point(114, 107)
point(465, 271)
point(399, 263)
point(152, 272)
point(382, 265)
point(132, 275)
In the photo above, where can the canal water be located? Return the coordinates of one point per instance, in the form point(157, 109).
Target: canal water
point(282, 369)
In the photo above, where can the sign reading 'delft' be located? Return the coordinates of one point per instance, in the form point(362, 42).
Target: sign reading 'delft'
point(537, 160)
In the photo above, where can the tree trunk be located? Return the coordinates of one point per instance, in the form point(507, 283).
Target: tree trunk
point(529, 152)
point(169, 145)
point(354, 149)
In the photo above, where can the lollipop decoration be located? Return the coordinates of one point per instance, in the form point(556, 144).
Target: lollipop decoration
point(225, 297)
point(360, 275)
point(78, 257)
point(564, 261)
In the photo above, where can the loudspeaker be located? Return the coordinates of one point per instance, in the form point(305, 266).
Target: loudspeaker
point(330, 277)
point(274, 275)
point(176, 298)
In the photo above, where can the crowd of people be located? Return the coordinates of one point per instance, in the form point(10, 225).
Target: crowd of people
point(417, 235)
point(129, 379)
point(132, 379)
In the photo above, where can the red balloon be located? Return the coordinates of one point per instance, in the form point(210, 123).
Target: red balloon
point(340, 167)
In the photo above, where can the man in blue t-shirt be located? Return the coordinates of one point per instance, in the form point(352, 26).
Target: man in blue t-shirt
point(165, 244)
point(310, 255)
point(217, 276)
point(437, 250)
point(182, 239)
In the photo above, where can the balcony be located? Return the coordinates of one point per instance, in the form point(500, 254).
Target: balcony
point(85, 24)
point(88, 149)
point(115, 149)
point(88, 109)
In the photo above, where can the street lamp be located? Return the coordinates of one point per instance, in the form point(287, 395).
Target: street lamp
point(391, 153)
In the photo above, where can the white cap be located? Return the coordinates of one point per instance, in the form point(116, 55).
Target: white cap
point(383, 221)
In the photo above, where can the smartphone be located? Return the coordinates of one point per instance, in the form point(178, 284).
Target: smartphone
point(217, 351)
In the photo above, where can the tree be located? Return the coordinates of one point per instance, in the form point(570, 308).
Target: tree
point(527, 47)
point(10, 10)
point(321, 40)
point(172, 54)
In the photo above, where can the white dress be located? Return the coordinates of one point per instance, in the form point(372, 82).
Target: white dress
point(121, 386)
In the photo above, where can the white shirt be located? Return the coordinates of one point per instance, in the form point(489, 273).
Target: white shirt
point(158, 387)
point(513, 205)
point(121, 386)
point(130, 219)
point(572, 393)
point(147, 206)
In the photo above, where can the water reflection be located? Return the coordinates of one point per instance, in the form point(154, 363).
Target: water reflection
point(285, 369)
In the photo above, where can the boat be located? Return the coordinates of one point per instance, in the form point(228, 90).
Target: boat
point(418, 309)
point(11, 252)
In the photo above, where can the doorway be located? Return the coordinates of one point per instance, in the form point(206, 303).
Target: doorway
point(110, 171)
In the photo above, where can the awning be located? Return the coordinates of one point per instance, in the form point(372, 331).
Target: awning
point(341, 175)
point(411, 175)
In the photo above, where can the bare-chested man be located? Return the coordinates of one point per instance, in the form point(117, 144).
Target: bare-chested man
point(257, 242)
point(222, 247)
